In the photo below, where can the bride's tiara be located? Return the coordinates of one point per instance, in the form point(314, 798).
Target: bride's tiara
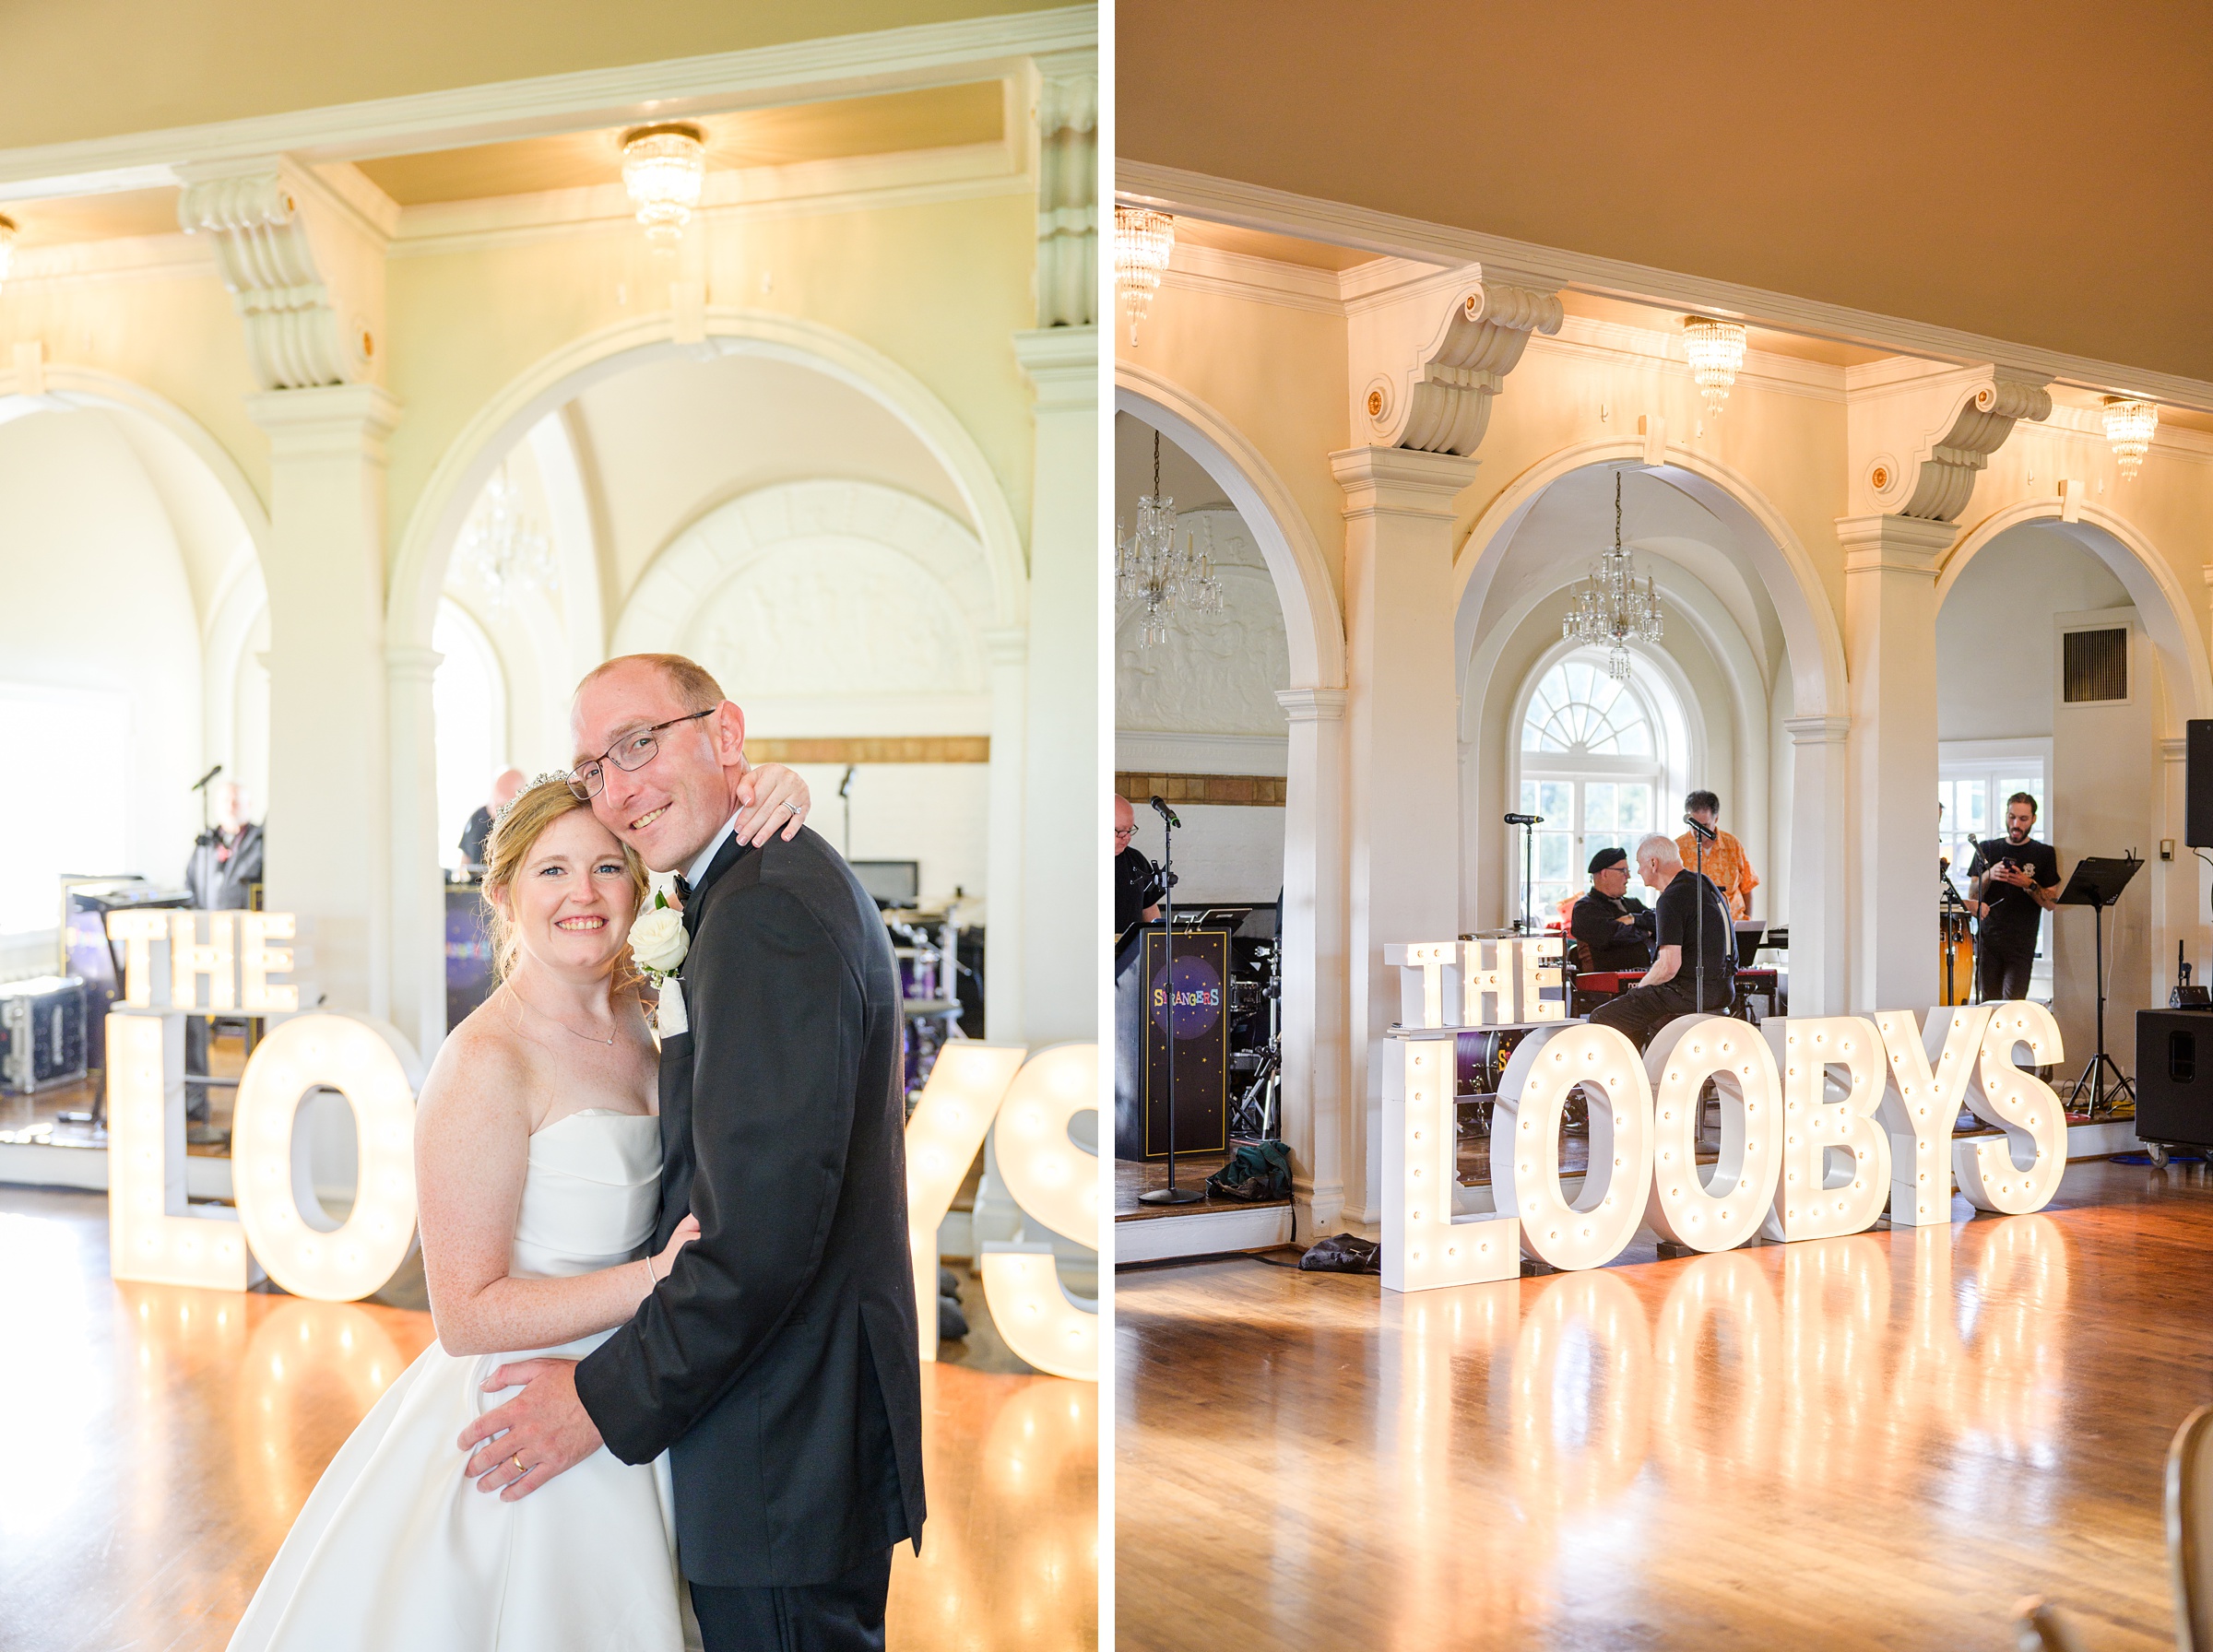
point(500, 813)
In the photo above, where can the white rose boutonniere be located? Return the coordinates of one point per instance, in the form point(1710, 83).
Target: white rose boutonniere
point(659, 943)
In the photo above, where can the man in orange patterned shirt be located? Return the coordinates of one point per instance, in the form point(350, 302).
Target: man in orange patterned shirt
point(1726, 863)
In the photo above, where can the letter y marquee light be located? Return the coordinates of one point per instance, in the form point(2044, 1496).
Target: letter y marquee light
point(959, 1101)
point(1931, 1068)
point(1058, 1183)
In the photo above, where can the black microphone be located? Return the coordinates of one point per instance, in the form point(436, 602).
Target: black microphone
point(204, 779)
point(1524, 819)
point(845, 787)
point(1167, 814)
point(1706, 833)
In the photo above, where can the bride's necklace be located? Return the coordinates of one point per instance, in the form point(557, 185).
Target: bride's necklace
point(534, 1010)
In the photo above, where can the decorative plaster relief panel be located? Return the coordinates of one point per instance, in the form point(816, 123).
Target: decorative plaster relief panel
point(1216, 673)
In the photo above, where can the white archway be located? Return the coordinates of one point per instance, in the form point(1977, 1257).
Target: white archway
point(434, 524)
point(1315, 979)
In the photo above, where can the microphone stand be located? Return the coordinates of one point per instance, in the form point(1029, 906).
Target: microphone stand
point(1171, 1193)
point(1699, 834)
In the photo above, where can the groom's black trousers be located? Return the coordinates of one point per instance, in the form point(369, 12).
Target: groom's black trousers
point(843, 1615)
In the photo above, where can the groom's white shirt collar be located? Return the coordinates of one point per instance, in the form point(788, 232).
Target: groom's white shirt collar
point(698, 869)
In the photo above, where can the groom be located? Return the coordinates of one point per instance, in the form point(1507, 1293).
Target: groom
point(777, 1362)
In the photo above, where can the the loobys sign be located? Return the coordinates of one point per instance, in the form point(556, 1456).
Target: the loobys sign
point(1824, 1122)
point(1026, 1101)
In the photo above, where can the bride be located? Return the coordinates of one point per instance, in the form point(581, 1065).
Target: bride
point(538, 1161)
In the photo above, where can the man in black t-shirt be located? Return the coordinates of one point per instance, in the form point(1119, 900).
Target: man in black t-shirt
point(1670, 986)
point(1136, 880)
point(1616, 931)
point(2012, 883)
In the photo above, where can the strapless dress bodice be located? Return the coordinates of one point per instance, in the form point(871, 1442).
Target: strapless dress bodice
point(591, 1195)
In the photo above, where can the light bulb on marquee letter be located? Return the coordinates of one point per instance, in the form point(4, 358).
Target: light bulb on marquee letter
point(1805, 1206)
point(151, 1236)
point(145, 938)
point(1930, 1066)
point(1526, 1126)
point(2021, 1104)
point(190, 962)
point(1687, 1053)
point(1423, 1245)
point(1056, 1183)
point(958, 1102)
point(372, 1067)
point(257, 960)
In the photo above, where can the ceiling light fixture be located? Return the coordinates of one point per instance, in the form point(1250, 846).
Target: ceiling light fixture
point(663, 168)
point(1143, 240)
point(2129, 425)
point(1715, 350)
point(506, 548)
point(7, 243)
point(1150, 567)
point(1609, 610)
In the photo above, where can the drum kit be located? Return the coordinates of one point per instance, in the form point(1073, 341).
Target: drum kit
point(926, 946)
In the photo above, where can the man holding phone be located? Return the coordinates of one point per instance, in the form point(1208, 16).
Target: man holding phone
point(2013, 882)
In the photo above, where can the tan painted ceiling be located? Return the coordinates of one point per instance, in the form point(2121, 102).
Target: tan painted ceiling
point(2037, 172)
point(934, 118)
point(95, 68)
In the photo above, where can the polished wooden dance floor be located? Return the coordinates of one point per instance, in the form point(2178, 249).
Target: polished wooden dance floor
point(1881, 1441)
point(156, 1442)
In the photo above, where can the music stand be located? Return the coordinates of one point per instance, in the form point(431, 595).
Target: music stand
point(2096, 883)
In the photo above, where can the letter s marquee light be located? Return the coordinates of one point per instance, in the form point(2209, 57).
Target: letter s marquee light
point(1783, 1116)
point(1058, 1183)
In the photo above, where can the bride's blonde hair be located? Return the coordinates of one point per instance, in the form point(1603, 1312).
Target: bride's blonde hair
point(519, 826)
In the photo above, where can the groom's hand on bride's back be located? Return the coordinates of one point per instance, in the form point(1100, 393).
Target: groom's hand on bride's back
point(542, 1432)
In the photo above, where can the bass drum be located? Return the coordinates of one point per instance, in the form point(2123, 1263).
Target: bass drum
point(1481, 1054)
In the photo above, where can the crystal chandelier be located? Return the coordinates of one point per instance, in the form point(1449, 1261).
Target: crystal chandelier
point(7, 243)
point(2129, 425)
point(1142, 241)
point(1149, 566)
point(1610, 610)
point(506, 548)
point(663, 168)
point(1716, 350)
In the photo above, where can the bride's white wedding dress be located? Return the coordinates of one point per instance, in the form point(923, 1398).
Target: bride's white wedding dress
point(396, 1550)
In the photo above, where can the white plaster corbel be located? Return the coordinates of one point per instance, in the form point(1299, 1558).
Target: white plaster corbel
point(1918, 440)
point(1068, 191)
point(1425, 373)
point(304, 262)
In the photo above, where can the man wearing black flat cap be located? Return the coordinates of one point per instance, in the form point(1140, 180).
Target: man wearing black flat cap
point(1615, 929)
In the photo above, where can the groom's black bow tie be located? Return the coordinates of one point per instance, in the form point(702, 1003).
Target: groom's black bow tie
point(683, 889)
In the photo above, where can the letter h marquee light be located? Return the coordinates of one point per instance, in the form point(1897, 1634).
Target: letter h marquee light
point(1824, 1122)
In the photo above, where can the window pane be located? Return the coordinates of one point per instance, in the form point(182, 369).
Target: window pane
point(1598, 803)
point(1556, 855)
point(1529, 797)
point(1556, 801)
point(1636, 814)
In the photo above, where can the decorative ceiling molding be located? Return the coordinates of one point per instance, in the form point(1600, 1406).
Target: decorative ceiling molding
point(303, 265)
point(1068, 189)
point(838, 66)
point(1280, 212)
point(1915, 447)
point(1436, 395)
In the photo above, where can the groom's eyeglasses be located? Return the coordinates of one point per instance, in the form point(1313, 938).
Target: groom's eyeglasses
point(630, 754)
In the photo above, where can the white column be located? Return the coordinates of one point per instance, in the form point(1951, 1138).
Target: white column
point(331, 814)
point(1890, 658)
point(1312, 945)
point(1819, 837)
point(418, 902)
point(1062, 858)
point(1006, 649)
point(1402, 813)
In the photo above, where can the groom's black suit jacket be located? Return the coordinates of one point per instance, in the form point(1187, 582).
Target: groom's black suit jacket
point(778, 1360)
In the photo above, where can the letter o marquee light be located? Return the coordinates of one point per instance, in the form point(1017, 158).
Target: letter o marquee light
point(371, 1069)
point(1687, 1053)
point(1056, 1182)
point(1545, 1065)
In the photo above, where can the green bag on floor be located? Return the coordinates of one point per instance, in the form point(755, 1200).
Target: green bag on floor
point(1258, 1170)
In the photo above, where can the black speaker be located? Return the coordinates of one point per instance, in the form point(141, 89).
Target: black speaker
point(2174, 1076)
point(2198, 783)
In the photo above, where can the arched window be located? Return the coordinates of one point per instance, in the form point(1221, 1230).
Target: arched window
point(1595, 763)
point(468, 698)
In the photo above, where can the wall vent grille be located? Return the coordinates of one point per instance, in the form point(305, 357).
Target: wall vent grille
point(2094, 666)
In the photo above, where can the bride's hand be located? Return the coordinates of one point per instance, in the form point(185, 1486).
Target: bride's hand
point(686, 1231)
point(775, 798)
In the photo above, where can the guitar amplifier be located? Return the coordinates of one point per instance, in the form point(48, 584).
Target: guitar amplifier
point(41, 1032)
point(2174, 1076)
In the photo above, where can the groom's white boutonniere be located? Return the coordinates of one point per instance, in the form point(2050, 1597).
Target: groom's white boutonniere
point(659, 943)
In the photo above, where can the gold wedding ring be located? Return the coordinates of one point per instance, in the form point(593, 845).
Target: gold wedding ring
point(518, 1460)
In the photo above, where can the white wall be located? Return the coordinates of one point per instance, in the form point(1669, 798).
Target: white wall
point(97, 599)
point(1994, 633)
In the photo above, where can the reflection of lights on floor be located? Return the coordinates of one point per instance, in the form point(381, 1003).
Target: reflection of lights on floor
point(41, 1468)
